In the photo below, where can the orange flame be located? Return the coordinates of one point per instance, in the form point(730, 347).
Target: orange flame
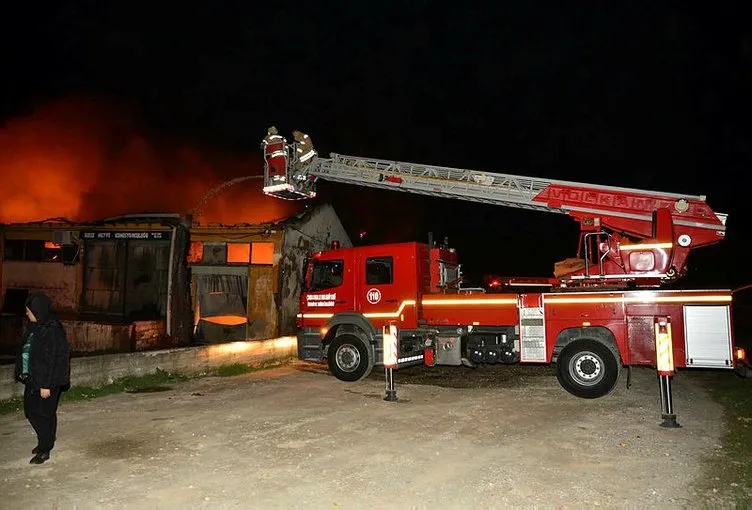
point(84, 160)
point(226, 320)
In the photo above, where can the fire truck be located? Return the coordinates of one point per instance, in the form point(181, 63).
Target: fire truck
point(606, 308)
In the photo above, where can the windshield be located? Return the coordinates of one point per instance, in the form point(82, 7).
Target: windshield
point(326, 274)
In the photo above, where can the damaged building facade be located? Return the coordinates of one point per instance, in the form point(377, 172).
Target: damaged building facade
point(108, 281)
point(143, 282)
point(246, 279)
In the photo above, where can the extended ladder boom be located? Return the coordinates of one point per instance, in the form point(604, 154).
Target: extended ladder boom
point(498, 189)
point(511, 190)
point(627, 214)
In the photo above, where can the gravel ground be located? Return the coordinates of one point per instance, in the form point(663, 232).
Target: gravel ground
point(295, 437)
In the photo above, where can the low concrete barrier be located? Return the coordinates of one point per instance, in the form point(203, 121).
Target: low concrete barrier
point(90, 336)
point(97, 371)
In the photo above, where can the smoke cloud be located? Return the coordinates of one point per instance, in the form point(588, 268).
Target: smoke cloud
point(85, 160)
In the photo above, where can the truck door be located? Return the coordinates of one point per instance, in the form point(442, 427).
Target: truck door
point(329, 288)
point(377, 294)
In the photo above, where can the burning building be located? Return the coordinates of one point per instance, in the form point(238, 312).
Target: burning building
point(246, 279)
point(137, 282)
point(133, 282)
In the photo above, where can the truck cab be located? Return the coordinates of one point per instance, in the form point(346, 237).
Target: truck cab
point(350, 294)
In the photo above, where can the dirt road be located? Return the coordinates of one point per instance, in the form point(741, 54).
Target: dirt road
point(296, 437)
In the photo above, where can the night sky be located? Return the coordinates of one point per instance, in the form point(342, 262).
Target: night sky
point(634, 95)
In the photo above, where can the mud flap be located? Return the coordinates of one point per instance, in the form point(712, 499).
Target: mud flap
point(743, 370)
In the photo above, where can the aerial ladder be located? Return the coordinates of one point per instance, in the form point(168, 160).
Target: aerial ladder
point(629, 238)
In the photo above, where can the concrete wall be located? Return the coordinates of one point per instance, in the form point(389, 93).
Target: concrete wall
point(11, 328)
point(85, 336)
point(98, 336)
point(311, 233)
point(147, 335)
point(57, 280)
point(96, 371)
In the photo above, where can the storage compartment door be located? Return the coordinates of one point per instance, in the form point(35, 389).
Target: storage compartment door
point(707, 336)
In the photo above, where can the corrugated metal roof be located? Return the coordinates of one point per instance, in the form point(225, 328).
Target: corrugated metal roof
point(152, 218)
point(128, 219)
point(47, 223)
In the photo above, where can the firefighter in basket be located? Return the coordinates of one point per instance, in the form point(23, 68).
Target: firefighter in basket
point(303, 148)
point(275, 155)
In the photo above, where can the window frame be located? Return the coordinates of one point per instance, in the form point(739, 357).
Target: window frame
point(32, 250)
point(387, 261)
point(118, 262)
point(332, 262)
point(234, 248)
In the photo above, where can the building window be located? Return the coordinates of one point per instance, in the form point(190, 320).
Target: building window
point(52, 252)
point(215, 254)
point(104, 277)
point(196, 252)
point(146, 279)
point(34, 251)
point(238, 253)
point(14, 249)
point(262, 253)
point(126, 278)
point(326, 274)
point(31, 250)
point(220, 254)
point(379, 270)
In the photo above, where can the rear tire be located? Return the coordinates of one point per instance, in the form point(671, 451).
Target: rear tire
point(349, 358)
point(587, 368)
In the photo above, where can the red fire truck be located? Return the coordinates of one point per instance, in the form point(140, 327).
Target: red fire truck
point(604, 309)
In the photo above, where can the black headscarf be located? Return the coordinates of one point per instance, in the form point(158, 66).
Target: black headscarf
point(41, 307)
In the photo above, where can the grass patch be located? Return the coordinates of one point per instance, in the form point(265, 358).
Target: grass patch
point(127, 383)
point(124, 384)
point(727, 480)
point(147, 383)
point(11, 405)
point(233, 369)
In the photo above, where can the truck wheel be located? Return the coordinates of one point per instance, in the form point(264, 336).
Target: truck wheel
point(587, 369)
point(349, 358)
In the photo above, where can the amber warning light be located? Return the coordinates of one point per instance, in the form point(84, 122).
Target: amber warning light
point(742, 360)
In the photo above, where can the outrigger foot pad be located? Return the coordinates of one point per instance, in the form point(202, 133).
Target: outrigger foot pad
point(669, 421)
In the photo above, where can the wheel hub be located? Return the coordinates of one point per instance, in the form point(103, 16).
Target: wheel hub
point(587, 368)
point(348, 358)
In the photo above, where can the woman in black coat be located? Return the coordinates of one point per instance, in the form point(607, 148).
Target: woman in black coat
point(44, 367)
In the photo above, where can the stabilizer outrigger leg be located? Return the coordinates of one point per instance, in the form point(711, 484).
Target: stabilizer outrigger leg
point(391, 392)
point(667, 403)
point(664, 350)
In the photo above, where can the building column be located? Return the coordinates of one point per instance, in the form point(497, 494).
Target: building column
point(179, 313)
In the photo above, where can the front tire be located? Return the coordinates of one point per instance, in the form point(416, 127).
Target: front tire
point(349, 358)
point(587, 369)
